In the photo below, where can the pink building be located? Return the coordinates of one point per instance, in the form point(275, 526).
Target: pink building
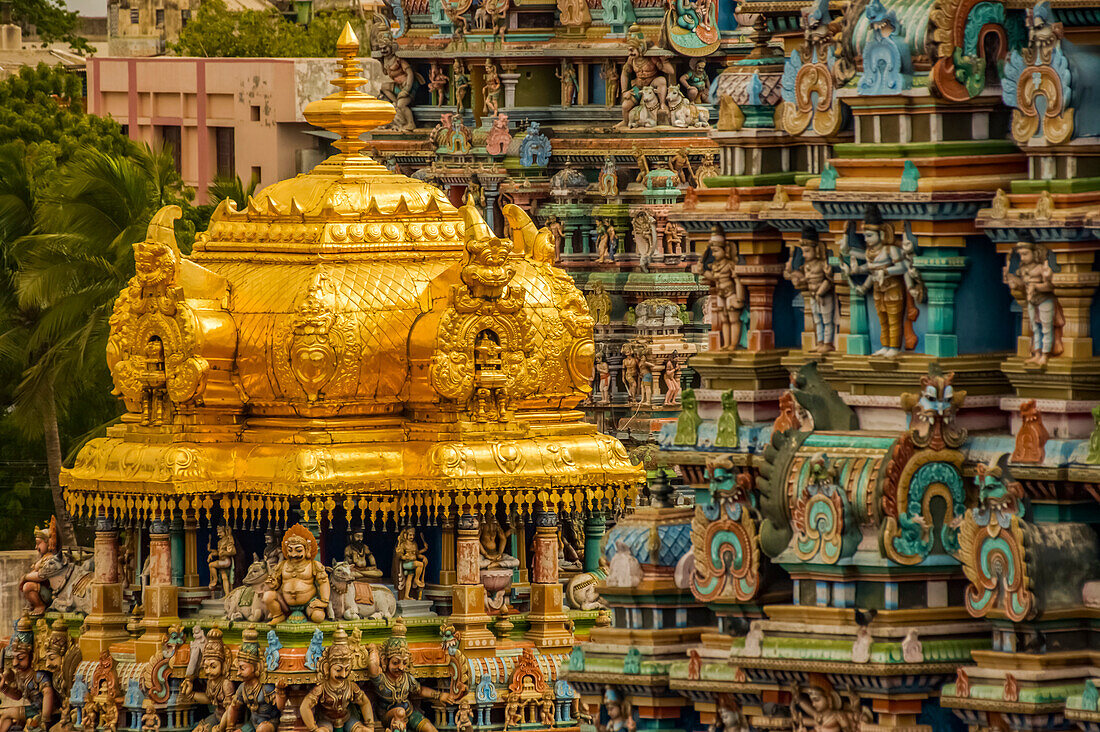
point(222, 116)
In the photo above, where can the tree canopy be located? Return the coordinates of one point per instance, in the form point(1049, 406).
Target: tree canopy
point(52, 20)
point(214, 31)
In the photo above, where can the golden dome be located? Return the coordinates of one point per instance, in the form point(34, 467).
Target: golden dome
point(350, 333)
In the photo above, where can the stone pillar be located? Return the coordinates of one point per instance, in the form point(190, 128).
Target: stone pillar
point(491, 193)
point(160, 597)
point(190, 549)
point(1075, 284)
point(106, 623)
point(447, 552)
point(547, 617)
point(176, 531)
point(468, 594)
point(595, 524)
point(509, 80)
point(582, 84)
point(941, 273)
point(760, 274)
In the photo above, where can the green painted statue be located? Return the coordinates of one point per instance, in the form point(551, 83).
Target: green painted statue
point(687, 424)
point(729, 423)
point(1094, 439)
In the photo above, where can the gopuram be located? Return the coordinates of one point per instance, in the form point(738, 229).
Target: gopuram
point(828, 271)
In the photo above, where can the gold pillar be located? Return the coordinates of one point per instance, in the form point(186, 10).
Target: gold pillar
point(447, 553)
point(190, 549)
point(160, 597)
point(549, 623)
point(468, 594)
point(106, 623)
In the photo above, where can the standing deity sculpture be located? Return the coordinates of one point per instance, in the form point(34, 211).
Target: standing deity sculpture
point(671, 377)
point(400, 85)
point(814, 279)
point(462, 86)
point(397, 688)
point(609, 72)
point(603, 375)
point(727, 294)
point(630, 373)
point(410, 560)
point(606, 241)
point(645, 243)
point(680, 164)
point(337, 702)
point(567, 74)
point(222, 558)
point(557, 234)
point(892, 278)
point(641, 73)
point(256, 706)
point(599, 303)
point(490, 89)
point(675, 237)
point(645, 377)
point(1032, 284)
point(298, 586)
point(437, 84)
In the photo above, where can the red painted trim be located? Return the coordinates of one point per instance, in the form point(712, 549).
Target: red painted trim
point(203, 168)
point(94, 104)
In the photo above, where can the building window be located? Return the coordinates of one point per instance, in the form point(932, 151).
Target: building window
point(134, 16)
point(255, 113)
point(185, 16)
point(160, 17)
point(171, 138)
point(224, 152)
point(256, 174)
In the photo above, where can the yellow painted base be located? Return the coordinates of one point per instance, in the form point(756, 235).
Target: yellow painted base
point(106, 623)
point(549, 623)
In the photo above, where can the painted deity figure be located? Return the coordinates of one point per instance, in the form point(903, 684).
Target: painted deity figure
point(567, 74)
point(822, 710)
point(605, 241)
point(437, 84)
point(680, 164)
point(33, 695)
point(219, 689)
point(462, 86)
point(103, 698)
point(557, 233)
point(490, 89)
point(672, 379)
point(359, 556)
point(599, 303)
point(639, 72)
point(34, 587)
point(150, 720)
point(814, 279)
point(609, 72)
point(494, 541)
point(619, 716)
point(675, 236)
point(256, 706)
point(603, 374)
point(1033, 284)
point(630, 372)
point(221, 560)
point(396, 687)
point(727, 299)
point(410, 560)
point(644, 242)
point(337, 703)
point(400, 86)
point(694, 82)
point(299, 584)
point(893, 280)
point(645, 373)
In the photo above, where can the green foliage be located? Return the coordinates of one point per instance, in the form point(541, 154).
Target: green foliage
point(214, 31)
point(52, 20)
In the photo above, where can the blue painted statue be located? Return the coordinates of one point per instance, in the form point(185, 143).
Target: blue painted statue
point(534, 150)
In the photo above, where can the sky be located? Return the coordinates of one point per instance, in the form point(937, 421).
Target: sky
point(89, 8)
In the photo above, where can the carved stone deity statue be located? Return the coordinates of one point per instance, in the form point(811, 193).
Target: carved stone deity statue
point(606, 241)
point(645, 372)
point(256, 706)
point(462, 86)
point(727, 299)
point(567, 74)
point(822, 709)
point(299, 584)
point(400, 86)
point(893, 279)
point(619, 715)
point(490, 89)
point(695, 82)
point(437, 84)
point(396, 687)
point(35, 587)
point(557, 233)
point(640, 72)
point(814, 279)
point(644, 240)
point(221, 561)
point(329, 706)
point(219, 689)
point(630, 372)
point(34, 697)
point(359, 556)
point(599, 303)
point(671, 376)
point(494, 542)
point(1033, 284)
point(410, 560)
point(675, 236)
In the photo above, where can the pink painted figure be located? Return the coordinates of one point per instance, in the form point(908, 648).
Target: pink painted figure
point(672, 379)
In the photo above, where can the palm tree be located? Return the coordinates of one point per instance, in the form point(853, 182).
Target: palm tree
point(71, 267)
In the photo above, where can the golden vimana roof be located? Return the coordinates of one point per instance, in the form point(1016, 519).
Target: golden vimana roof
point(353, 339)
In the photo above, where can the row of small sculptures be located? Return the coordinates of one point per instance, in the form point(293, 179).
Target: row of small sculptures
point(231, 685)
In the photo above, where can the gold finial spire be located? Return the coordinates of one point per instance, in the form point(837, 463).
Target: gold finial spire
point(349, 112)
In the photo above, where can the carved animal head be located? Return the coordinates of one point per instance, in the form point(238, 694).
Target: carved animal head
point(52, 566)
point(342, 573)
point(257, 573)
point(674, 97)
point(649, 98)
